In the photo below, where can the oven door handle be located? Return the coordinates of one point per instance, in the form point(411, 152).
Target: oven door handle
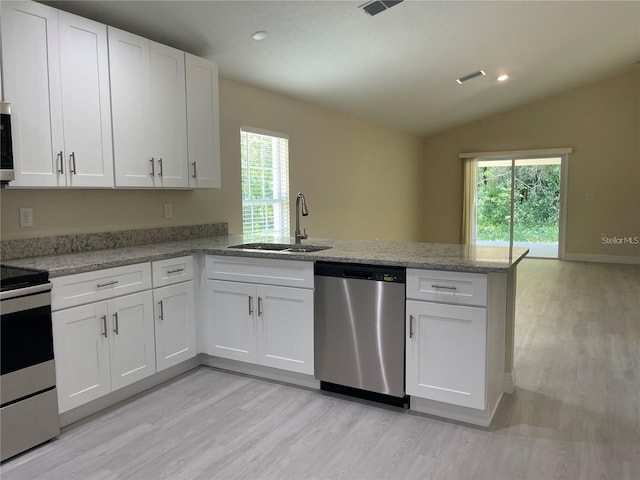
point(20, 292)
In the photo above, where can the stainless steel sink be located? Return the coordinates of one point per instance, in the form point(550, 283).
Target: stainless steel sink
point(280, 247)
point(307, 248)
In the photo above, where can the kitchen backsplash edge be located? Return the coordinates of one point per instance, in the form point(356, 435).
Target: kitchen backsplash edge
point(33, 247)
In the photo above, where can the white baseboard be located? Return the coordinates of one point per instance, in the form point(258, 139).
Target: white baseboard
point(453, 412)
point(261, 371)
point(586, 257)
point(509, 382)
point(127, 393)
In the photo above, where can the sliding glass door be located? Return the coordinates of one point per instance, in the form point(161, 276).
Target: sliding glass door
point(518, 203)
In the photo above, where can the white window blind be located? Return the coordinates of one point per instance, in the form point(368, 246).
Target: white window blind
point(265, 182)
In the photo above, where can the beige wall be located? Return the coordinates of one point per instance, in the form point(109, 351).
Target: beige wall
point(600, 121)
point(359, 179)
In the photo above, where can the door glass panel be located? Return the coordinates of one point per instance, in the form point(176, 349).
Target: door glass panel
point(536, 207)
point(535, 193)
point(493, 203)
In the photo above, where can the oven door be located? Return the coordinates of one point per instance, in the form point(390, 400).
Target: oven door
point(26, 342)
point(29, 410)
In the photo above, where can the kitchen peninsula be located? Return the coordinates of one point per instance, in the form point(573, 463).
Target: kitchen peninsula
point(489, 274)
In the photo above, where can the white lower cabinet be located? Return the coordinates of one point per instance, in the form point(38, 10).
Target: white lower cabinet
point(446, 358)
point(102, 346)
point(174, 324)
point(285, 328)
point(232, 326)
point(263, 324)
point(455, 343)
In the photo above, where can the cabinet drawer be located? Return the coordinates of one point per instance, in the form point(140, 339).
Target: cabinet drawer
point(88, 287)
point(447, 287)
point(172, 270)
point(287, 273)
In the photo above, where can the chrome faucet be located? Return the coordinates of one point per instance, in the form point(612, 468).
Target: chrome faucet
point(300, 236)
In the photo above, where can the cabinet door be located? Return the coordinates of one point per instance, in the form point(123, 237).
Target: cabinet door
point(129, 76)
point(132, 346)
point(203, 123)
point(231, 327)
point(31, 82)
point(175, 324)
point(446, 352)
point(81, 349)
point(167, 116)
point(84, 66)
point(285, 328)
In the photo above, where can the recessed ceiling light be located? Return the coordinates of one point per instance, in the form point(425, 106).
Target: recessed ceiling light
point(261, 35)
point(503, 77)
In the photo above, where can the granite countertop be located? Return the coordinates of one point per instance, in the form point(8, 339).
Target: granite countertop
point(434, 256)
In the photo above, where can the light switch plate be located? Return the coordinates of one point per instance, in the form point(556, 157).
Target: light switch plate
point(168, 211)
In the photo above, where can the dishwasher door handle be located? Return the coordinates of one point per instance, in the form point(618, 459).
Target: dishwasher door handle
point(357, 274)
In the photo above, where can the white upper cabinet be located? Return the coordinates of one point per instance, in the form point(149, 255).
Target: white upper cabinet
point(203, 123)
point(84, 66)
point(129, 69)
point(95, 107)
point(31, 82)
point(168, 116)
point(55, 74)
point(149, 112)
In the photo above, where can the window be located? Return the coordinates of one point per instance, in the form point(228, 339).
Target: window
point(265, 182)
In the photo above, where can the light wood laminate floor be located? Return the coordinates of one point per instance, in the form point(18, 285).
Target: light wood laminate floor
point(575, 414)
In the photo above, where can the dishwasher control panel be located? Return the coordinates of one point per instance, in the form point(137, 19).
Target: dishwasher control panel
point(378, 273)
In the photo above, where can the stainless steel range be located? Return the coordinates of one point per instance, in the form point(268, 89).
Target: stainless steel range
point(29, 400)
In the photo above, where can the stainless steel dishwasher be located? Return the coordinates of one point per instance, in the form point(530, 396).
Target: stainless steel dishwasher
point(359, 330)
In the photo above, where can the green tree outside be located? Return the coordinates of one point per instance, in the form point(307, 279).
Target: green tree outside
point(536, 203)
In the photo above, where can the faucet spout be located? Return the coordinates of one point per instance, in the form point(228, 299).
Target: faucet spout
point(300, 201)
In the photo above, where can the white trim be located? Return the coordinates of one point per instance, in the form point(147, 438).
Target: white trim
point(518, 153)
point(587, 257)
point(562, 227)
point(509, 382)
point(260, 371)
point(127, 393)
point(267, 133)
point(453, 412)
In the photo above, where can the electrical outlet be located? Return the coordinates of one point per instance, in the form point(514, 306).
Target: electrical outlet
point(589, 197)
point(168, 211)
point(26, 217)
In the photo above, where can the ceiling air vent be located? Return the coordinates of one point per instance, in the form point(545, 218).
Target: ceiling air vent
point(471, 76)
point(377, 6)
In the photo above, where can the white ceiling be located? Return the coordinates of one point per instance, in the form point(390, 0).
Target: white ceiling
point(399, 67)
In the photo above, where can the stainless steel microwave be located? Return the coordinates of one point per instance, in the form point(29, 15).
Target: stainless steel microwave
point(6, 167)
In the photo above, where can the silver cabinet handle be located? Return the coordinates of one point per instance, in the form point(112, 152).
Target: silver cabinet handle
point(60, 162)
point(104, 325)
point(195, 171)
point(177, 270)
point(160, 163)
point(259, 306)
point(250, 305)
point(410, 326)
point(444, 287)
point(72, 159)
point(153, 167)
point(112, 282)
point(161, 315)
point(115, 319)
